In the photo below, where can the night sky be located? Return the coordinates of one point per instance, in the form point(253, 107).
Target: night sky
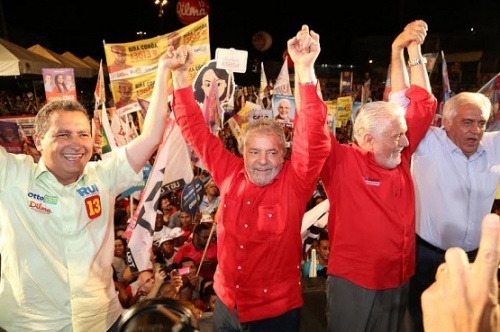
point(81, 26)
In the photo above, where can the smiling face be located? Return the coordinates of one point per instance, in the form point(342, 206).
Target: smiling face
point(263, 156)
point(387, 145)
point(284, 109)
point(467, 127)
point(66, 146)
point(119, 248)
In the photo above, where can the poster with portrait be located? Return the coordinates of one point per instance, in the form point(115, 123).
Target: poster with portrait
point(137, 61)
point(209, 73)
point(59, 83)
point(283, 108)
point(9, 137)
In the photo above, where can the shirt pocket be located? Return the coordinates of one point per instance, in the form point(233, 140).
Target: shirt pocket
point(270, 222)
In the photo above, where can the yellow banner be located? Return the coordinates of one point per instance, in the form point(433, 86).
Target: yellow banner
point(132, 66)
point(344, 108)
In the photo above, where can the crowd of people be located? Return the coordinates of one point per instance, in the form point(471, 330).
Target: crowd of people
point(410, 243)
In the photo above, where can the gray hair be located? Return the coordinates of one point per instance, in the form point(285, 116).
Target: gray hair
point(474, 98)
point(374, 117)
point(43, 116)
point(265, 127)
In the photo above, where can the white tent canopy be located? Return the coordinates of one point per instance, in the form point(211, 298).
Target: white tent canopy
point(65, 62)
point(16, 60)
point(79, 61)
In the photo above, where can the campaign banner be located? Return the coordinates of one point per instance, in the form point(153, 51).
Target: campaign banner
point(59, 83)
point(132, 65)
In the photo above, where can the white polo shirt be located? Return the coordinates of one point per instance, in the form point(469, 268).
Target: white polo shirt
point(57, 245)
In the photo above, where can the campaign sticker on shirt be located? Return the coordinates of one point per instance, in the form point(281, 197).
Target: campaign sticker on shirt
point(93, 206)
point(372, 181)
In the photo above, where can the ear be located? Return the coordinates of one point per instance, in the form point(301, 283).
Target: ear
point(38, 142)
point(367, 142)
point(446, 124)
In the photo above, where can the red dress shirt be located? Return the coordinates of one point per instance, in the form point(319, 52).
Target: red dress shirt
point(371, 223)
point(258, 228)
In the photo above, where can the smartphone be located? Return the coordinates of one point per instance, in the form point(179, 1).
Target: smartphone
point(182, 271)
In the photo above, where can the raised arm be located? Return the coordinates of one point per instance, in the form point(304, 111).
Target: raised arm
point(304, 49)
point(142, 147)
point(311, 143)
point(411, 38)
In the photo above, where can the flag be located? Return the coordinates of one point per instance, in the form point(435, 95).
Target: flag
point(313, 221)
point(172, 163)
point(263, 82)
point(492, 91)
point(387, 89)
point(431, 61)
point(211, 108)
point(140, 228)
point(446, 80)
point(263, 90)
point(366, 91)
point(99, 92)
point(108, 141)
point(282, 85)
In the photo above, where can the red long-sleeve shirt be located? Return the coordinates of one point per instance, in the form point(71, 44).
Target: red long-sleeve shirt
point(258, 228)
point(371, 223)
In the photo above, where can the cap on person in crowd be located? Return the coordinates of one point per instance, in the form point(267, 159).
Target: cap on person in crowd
point(169, 234)
point(206, 218)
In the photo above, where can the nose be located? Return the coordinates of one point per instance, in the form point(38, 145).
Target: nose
point(476, 128)
point(403, 140)
point(262, 158)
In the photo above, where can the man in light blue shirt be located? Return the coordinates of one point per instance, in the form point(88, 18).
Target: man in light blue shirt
point(456, 171)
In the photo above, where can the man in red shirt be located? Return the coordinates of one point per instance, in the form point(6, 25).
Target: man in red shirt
point(195, 248)
point(263, 197)
point(371, 221)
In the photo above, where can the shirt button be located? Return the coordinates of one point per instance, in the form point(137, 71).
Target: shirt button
point(224, 205)
point(269, 215)
point(265, 290)
point(241, 246)
point(248, 202)
point(246, 226)
point(239, 267)
point(237, 286)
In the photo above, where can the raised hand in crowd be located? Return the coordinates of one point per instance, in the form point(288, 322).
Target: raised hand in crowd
point(464, 297)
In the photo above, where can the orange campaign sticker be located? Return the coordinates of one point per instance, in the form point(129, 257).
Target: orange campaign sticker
point(93, 206)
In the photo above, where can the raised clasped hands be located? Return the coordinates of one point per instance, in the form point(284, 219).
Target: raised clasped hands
point(414, 33)
point(179, 59)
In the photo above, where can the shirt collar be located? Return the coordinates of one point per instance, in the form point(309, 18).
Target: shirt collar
point(41, 169)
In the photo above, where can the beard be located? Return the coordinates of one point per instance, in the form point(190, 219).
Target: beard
point(262, 175)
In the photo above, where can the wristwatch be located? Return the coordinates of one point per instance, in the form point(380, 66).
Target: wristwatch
point(417, 61)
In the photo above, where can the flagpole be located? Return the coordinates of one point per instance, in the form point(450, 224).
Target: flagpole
point(206, 247)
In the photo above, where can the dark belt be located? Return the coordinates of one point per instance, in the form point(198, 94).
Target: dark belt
point(471, 254)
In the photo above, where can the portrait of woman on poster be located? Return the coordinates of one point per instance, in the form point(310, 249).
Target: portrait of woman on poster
point(203, 81)
point(60, 85)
